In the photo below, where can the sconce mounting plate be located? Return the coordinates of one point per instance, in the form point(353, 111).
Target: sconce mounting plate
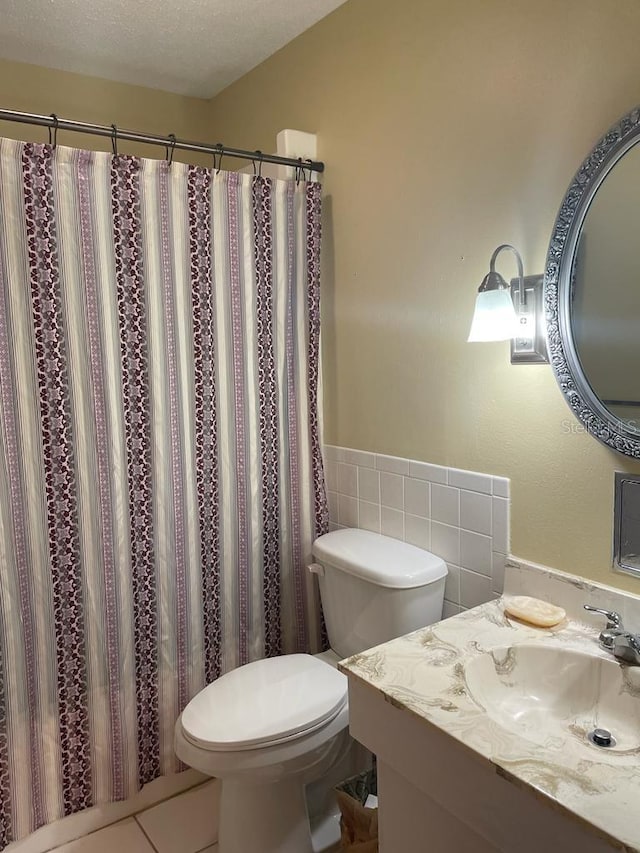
point(530, 346)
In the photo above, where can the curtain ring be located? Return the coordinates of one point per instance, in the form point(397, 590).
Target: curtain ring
point(114, 140)
point(260, 161)
point(299, 171)
point(169, 154)
point(310, 162)
point(53, 139)
point(219, 151)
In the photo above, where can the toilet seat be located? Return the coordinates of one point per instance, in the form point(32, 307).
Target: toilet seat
point(265, 703)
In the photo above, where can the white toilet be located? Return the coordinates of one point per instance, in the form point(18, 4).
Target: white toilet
point(272, 727)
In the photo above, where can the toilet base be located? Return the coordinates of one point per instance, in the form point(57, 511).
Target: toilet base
point(296, 813)
point(270, 818)
point(268, 793)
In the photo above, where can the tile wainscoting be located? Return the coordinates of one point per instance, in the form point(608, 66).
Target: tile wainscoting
point(462, 516)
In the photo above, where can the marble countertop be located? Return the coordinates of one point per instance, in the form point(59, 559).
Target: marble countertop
point(425, 673)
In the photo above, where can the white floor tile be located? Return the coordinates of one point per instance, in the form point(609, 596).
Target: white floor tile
point(185, 824)
point(81, 824)
point(125, 837)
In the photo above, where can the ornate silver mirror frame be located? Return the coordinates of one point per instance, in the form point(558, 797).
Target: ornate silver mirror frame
point(580, 396)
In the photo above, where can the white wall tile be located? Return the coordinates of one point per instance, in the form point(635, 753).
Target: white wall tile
point(360, 457)
point(500, 529)
point(445, 542)
point(452, 585)
point(347, 511)
point(333, 452)
point(348, 479)
point(501, 486)
point(369, 485)
point(475, 512)
point(449, 609)
point(416, 531)
point(331, 475)
point(184, 824)
point(462, 516)
point(369, 516)
point(471, 481)
point(125, 837)
point(426, 471)
point(332, 500)
point(392, 464)
point(392, 490)
point(392, 522)
point(475, 552)
point(416, 497)
point(498, 562)
point(475, 589)
point(445, 504)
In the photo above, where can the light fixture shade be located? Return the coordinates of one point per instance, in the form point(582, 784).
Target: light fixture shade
point(494, 318)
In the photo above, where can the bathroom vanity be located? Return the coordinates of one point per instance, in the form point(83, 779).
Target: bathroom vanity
point(481, 727)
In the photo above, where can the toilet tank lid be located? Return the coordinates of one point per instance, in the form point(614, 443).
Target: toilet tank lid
point(379, 559)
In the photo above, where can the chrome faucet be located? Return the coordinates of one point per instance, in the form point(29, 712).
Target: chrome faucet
point(622, 644)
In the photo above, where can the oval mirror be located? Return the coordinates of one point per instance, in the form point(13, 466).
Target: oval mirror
point(592, 290)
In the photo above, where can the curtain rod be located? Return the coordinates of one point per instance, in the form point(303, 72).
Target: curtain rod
point(170, 141)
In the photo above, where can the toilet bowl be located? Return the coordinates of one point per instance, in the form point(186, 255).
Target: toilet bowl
point(266, 730)
point(271, 728)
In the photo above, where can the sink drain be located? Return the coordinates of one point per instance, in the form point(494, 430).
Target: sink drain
point(601, 737)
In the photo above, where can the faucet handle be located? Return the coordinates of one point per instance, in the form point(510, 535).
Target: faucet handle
point(613, 630)
point(614, 620)
point(626, 647)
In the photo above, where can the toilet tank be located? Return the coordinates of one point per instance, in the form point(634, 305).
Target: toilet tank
point(374, 588)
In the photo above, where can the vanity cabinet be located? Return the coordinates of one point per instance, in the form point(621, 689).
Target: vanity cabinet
point(438, 796)
point(481, 725)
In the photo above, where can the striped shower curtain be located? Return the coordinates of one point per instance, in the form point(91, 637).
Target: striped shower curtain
point(160, 472)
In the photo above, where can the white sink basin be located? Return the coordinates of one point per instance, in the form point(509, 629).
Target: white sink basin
point(547, 693)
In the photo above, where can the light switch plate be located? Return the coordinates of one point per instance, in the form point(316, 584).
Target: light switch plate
point(530, 347)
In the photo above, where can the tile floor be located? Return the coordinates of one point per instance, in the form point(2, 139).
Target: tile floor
point(186, 823)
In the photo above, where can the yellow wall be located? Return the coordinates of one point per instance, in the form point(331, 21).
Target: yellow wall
point(448, 127)
point(29, 88)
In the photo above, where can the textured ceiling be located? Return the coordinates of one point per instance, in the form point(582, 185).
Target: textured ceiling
point(192, 47)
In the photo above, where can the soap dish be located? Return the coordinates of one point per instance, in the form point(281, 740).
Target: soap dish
point(533, 610)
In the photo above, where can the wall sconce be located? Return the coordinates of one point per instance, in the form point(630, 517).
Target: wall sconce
point(511, 312)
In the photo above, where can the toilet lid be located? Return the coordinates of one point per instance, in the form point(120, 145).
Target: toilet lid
point(265, 702)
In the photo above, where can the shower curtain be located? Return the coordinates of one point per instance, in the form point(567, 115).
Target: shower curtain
point(160, 473)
